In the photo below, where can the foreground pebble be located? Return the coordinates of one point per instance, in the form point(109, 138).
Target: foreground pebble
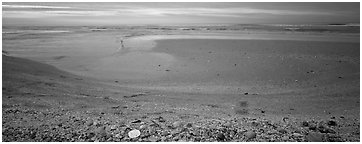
point(314, 137)
point(69, 127)
point(250, 135)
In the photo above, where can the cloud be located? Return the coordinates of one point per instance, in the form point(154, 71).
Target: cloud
point(138, 11)
point(34, 7)
point(101, 13)
point(217, 12)
point(34, 14)
point(82, 13)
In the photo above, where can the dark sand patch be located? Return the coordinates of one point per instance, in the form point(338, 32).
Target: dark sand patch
point(59, 57)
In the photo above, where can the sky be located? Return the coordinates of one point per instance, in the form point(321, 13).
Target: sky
point(95, 13)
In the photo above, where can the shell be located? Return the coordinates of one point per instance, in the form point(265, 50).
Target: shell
point(134, 133)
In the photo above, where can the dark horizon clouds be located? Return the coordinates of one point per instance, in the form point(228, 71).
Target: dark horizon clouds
point(90, 13)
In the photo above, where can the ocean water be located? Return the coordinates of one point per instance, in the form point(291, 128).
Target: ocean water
point(319, 28)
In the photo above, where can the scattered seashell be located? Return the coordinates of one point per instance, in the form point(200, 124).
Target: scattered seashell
point(136, 121)
point(89, 123)
point(220, 137)
point(143, 126)
point(281, 130)
point(177, 124)
point(134, 133)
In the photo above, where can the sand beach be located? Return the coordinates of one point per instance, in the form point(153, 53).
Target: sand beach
point(214, 81)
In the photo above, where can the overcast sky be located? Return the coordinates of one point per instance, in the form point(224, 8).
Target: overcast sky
point(177, 13)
